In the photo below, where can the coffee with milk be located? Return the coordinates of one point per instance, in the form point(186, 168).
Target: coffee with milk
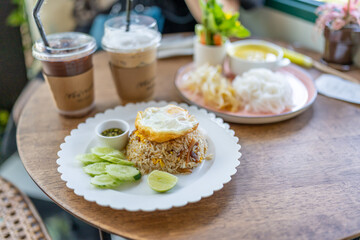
point(132, 56)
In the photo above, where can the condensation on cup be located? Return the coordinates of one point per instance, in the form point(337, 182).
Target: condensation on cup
point(132, 56)
point(68, 71)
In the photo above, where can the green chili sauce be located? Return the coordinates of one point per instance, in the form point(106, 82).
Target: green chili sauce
point(112, 132)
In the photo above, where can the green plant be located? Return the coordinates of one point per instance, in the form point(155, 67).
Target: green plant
point(217, 25)
point(17, 16)
point(4, 116)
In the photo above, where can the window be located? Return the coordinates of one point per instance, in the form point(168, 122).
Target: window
point(304, 9)
point(332, 1)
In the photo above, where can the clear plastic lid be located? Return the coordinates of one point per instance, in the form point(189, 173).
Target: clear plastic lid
point(143, 34)
point(64, 47)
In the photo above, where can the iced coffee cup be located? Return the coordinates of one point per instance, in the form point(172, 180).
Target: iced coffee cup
point(68, 71)
point(132, 56)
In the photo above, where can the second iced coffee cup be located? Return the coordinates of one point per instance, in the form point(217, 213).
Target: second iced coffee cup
point(132, 56)
point(68, 70)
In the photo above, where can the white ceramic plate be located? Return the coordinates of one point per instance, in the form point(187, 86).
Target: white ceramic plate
point(210, 176)
point(303, 88)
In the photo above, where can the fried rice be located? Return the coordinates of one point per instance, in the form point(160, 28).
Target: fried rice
point(179, 155)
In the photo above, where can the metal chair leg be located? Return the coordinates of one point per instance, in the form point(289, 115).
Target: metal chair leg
point(104, 235)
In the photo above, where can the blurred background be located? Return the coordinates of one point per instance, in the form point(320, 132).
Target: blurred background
point(287, 20)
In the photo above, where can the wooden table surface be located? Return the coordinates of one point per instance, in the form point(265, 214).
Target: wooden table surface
point(298, 179)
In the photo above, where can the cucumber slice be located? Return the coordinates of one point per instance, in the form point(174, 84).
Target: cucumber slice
point(105, 181)
point(117, 154)
point(122, 172)
point(96, 168)
point(101, 151)
point(117, 160)
point(88, 158)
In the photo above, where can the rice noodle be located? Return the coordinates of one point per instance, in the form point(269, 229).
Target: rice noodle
point(264, 91)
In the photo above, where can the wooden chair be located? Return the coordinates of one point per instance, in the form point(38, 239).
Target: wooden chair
point(8, 146)
point(18, 216)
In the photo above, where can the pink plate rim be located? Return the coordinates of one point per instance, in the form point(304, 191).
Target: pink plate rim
point(300, 74)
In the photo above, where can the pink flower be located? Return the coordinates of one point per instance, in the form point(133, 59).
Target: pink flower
point(337, 24)
point(356, 16)
point(353, 6)
point(337, 16)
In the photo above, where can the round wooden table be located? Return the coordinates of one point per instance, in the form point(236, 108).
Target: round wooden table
point(298, 179)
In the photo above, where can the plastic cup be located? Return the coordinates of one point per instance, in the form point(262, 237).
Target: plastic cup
point(68, 71)
point(132, 56)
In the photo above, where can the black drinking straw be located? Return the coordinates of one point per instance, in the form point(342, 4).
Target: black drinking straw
point(128, 12)
point(36, 16)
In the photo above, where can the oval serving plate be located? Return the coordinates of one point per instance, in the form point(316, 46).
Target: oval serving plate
point(210, 176)
point(304, 95)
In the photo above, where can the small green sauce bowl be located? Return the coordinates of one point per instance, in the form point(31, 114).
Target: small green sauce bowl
point(117, 142)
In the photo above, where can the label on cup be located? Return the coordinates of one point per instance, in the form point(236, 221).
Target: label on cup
point(134, 84)
point(134, 59)
point(72, 93)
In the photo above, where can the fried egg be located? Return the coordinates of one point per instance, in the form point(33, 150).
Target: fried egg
point(161, 124)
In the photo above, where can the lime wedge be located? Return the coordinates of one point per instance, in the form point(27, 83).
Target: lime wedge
point(161, 181)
